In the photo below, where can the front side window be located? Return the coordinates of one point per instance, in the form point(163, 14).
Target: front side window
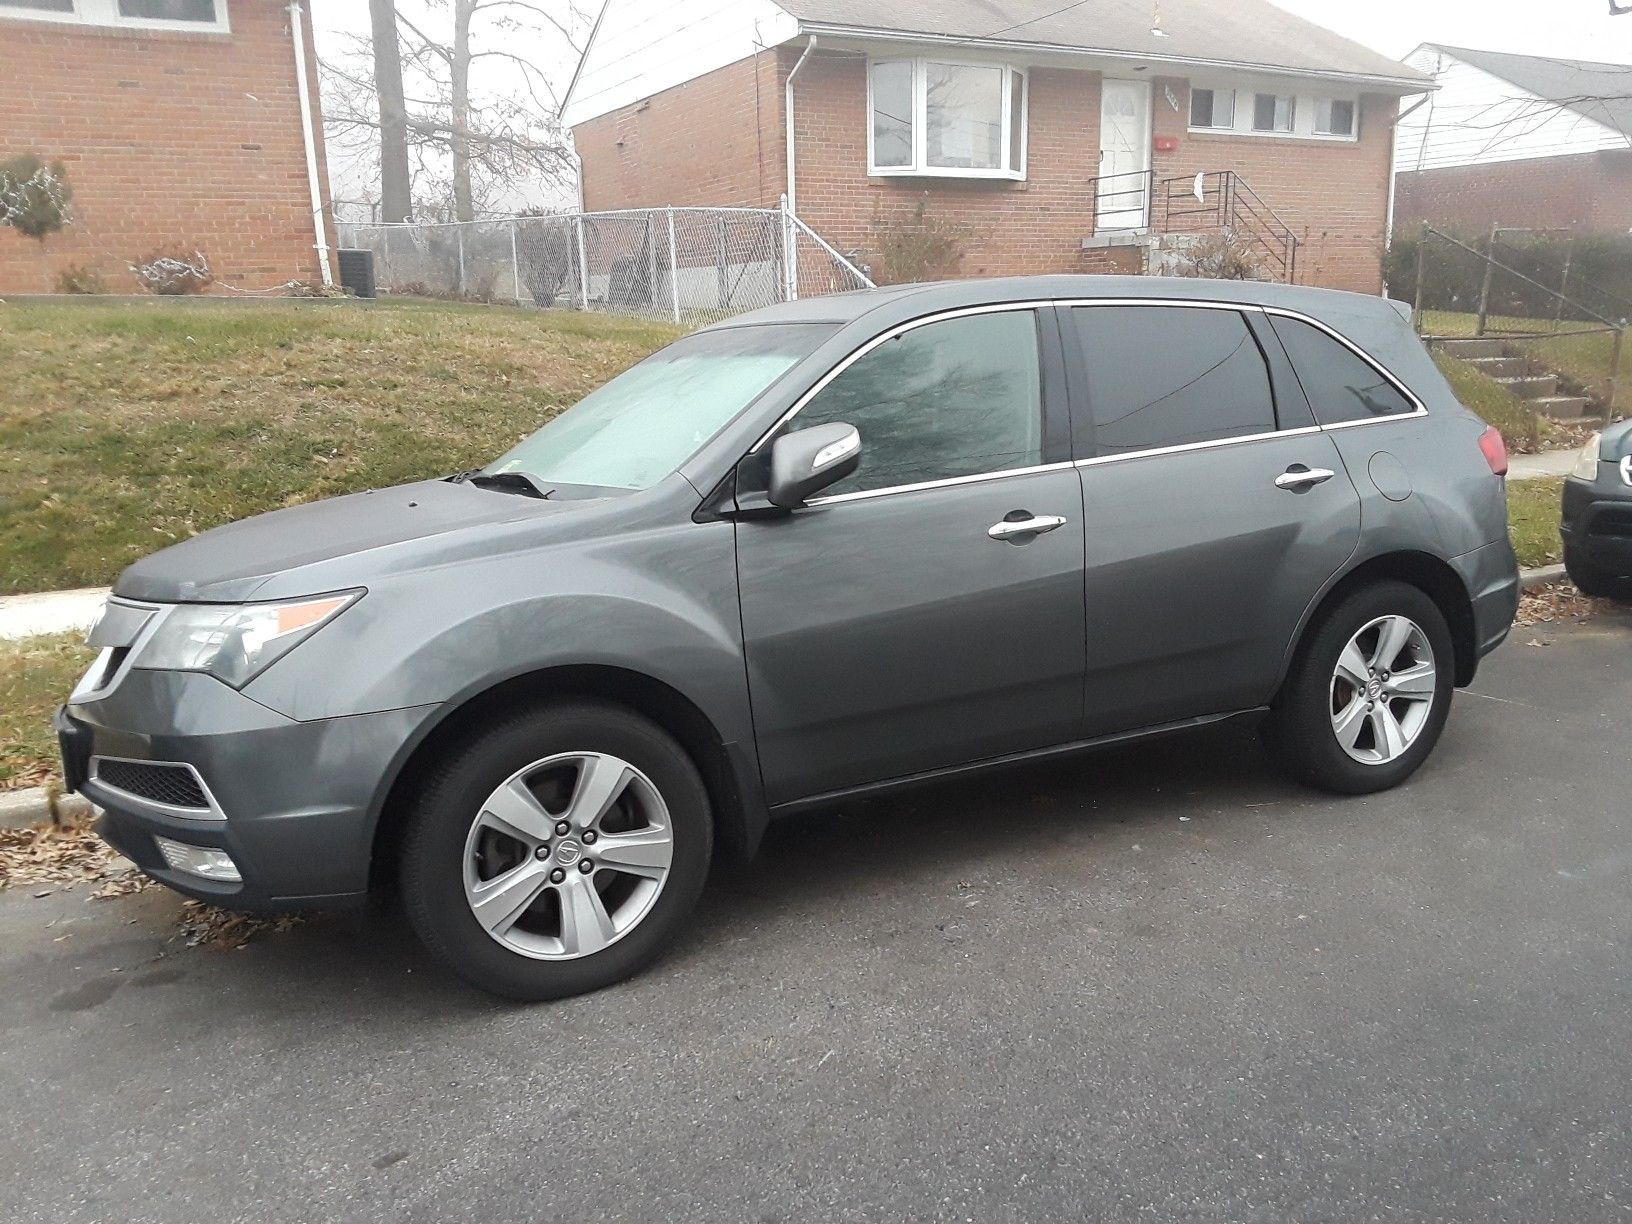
point(1339, 384)
point(142, 14)
point(959, 397)
point(948, 119)
point(39, 6)
point(640, 427)
point(1334, 117)
point(169, 10)
point(1212, 108)
point(1273, 112)
point(1162, 376)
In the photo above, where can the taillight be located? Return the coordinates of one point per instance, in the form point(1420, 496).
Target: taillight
point(1494, 450)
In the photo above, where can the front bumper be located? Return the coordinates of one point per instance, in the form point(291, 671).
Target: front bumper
point(1597, 520)
point(292, 803)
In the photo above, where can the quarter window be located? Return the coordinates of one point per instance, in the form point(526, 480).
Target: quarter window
point(1163, 376)
point(961, 397)
point(1340, 385)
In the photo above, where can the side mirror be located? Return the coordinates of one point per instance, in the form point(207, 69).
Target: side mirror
point(806, 462)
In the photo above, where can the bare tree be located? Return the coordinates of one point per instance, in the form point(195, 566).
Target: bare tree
point(396, 189)
point(460, 120)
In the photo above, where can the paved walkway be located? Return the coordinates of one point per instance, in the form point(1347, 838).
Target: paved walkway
point(53, 612)
point(1548, 463)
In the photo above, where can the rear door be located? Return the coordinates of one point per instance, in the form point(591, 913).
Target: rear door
point(905, 621)
point(1214, 509)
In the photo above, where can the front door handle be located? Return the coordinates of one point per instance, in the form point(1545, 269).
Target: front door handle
point(1031, 525)
point(1297, 478)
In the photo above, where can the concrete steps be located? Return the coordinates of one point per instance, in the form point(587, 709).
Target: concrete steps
point(1565, 409)
point(1467, 350)
point(1532, 386)
point(1498, 367)
point(1493, 359)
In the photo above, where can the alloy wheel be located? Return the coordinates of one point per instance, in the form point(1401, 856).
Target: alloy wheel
point(1383, 690)
point(568, 855)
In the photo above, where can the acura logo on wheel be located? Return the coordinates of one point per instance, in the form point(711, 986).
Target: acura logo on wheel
point(567, 853)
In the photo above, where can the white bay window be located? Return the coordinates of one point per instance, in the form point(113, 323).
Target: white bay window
point(946, 118)
point(210, 15)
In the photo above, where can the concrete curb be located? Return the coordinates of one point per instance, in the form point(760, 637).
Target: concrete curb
point(1530, 579)
point(20, 809)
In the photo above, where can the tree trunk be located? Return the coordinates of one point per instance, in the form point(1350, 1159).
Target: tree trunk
point(459, 80)
point(396, 203)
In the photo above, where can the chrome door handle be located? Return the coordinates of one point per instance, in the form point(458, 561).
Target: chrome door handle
point(1036, 525)
point(1299, 478)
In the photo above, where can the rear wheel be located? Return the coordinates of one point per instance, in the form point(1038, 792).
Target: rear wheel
point(1368, 695)
point(558, 852)
point(1589, 579)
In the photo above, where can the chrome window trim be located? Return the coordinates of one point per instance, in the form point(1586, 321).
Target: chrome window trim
point(213, 812)
point(1035, 304)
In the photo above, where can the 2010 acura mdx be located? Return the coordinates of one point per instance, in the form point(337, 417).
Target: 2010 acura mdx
point(816, 551)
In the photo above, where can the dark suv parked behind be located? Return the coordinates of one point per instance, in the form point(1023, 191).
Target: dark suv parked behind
point(827, 548)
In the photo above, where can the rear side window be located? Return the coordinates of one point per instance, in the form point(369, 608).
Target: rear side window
point(960, 397)
point(1340, 384)
point(1172, 376)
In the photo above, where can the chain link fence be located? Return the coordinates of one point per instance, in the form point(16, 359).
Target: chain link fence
point(685, 265)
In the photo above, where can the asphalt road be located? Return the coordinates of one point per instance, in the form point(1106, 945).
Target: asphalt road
point(1156, 985)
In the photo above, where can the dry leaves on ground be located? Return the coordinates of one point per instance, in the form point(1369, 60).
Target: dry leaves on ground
point(1558, 604)
point(47, 857)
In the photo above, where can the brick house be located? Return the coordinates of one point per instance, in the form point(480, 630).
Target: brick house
point(180, 127)
point(1519, 141)
point(1053, 139)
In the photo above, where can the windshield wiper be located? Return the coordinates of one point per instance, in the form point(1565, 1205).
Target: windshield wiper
point(508, 482)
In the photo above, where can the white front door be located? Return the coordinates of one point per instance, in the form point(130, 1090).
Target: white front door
point(1124, 154)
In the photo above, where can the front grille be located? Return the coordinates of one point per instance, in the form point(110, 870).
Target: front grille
point(175, 785)
point(1613, 522)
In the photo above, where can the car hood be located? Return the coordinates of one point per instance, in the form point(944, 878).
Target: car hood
point(1615, 443)
point(367, 530)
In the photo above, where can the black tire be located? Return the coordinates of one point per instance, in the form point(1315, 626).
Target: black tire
point(1591, 580)
point(433, 888)
point(1298, 732)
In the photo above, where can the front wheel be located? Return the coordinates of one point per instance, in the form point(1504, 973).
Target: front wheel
point(1367, 697)
point(558, 852)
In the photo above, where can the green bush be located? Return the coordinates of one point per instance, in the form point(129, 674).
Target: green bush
point(1600, 274)
point(34, 197)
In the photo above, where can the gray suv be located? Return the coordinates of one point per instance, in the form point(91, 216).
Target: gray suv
point(818, 551)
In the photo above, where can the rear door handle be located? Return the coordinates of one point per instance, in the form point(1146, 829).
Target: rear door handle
point(1036, 524)
point(1297, 478)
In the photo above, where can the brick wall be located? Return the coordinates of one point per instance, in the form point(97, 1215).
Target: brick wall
point(718, 140)
point(1589, 190)
point(170, 140)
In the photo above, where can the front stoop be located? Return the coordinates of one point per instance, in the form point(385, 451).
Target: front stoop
point(1540, 391)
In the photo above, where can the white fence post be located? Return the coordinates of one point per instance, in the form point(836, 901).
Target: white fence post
point(790, 254)
point(674, 271)
point(459, 230)
point(583, 263)
point(515, 264)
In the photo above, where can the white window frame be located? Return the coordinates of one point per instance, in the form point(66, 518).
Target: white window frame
point(1292, 115)
point(1304, 107)
point(1354, 118)
point(1215, 90)
point(106, 13)
point(919, 166)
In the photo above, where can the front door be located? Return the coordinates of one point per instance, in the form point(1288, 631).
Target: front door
point(926, 611)
point(1124, 154)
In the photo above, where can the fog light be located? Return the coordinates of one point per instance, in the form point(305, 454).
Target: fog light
point(200, 861)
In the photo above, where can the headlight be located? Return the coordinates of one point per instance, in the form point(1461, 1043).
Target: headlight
point(236, 642)
point(1586, 464)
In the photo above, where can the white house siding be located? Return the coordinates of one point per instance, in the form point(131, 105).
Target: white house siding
point(1479, 119)
point(647, 46)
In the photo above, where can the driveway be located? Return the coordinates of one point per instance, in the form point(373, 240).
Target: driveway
point(1161, 985)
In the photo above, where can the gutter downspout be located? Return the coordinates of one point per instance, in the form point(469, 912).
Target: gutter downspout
point(319, 225)
point(787, 112)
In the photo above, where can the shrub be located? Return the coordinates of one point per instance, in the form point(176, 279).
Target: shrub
point(1453, 278)
point(78, 278)
point(1220, 256)
point(34, 197)
point(174, 273)
point(917, 246)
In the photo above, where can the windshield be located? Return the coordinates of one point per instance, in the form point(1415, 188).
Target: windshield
point(646, 422)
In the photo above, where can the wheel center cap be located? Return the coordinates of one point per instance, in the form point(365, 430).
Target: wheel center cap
point(568, 852)
point(1374, 688)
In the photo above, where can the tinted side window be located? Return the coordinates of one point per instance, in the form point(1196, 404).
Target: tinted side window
point(1171, 375)
point(1340, 385)
point(957, 398)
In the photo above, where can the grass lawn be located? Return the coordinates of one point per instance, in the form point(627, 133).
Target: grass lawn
point(36, 675)
point(1532, 514)
point(128, 427)
point(1583, 357)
